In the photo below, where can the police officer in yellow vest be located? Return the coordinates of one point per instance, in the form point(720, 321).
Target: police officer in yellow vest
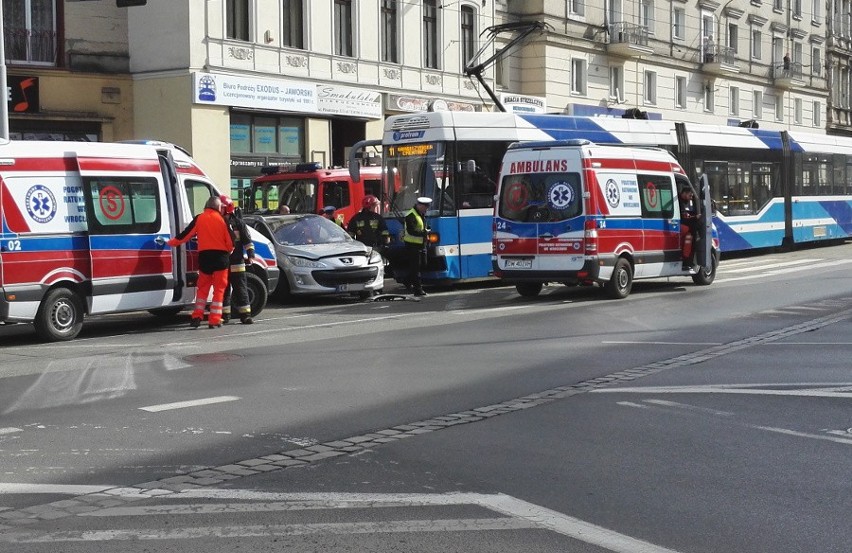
point(415, 244)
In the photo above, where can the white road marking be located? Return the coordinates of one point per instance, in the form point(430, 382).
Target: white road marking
point(648, 343)
point(63, 489)
point(688, 407)
point(190, 403)
point(764, 274)
point(837, 391)
point(798, 434)
point(9, 430)
point(518, 514)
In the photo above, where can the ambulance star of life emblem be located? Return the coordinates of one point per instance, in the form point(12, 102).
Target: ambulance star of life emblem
point(41, 204)
point(613, 195)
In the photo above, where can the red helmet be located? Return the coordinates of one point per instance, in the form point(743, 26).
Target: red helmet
point(369, 201)
point(227, 204)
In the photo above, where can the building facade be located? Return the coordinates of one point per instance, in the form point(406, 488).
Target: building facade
point(67, 66)
point(687, 60)
point(247, 83)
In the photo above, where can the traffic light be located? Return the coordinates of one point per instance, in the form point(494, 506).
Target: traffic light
point(128, 3)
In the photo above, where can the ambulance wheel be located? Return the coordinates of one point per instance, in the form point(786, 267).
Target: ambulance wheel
point(528, 289)
point(704, 278)
point(257, 293)
point(60, 316)
point(620, 283)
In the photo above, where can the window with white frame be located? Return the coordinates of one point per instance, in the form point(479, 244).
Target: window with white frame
point(756, 39)
point(292, 35)
point(734, 38)
point(817, 114)
point(578, 76)
point(678, 23)
point(616, 83)
point(343, 28)
point(734, 100)
point(797, 8)
point(709, 97)
point(779, 107)
point(778, 5)
point(646, 14)
point(797, 111)
point(237, 19)
point(430, 34)
point(650, 87)
point(577, 7)
point(816, 11)
point(680, 92)
point(390, 31)
point(797, 54)
point(468, 34)
point(30, 31)
point(816, 61)
point(757, 104)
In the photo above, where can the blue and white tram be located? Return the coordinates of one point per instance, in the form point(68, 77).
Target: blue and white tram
point(771, 188)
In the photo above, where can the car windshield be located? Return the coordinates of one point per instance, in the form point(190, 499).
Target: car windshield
point(296, 230)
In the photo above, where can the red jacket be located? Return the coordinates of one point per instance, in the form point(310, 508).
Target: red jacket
point(212, 232)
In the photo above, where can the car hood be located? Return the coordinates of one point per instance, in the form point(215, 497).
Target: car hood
point(319, 251)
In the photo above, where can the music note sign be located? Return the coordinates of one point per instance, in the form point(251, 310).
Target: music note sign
point(23, 94)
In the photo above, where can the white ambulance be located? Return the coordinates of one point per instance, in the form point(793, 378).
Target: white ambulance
point(84, 230)
point(578, 213)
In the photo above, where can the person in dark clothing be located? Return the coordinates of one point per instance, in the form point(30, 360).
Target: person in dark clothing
point(415, 244)
point(688, 225)
point(237, 291)
point(368, 226)
point(214, 246)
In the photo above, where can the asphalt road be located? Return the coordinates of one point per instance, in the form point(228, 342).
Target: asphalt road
point(684, 418)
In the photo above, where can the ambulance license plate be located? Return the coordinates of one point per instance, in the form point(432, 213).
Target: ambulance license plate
point(518, 264)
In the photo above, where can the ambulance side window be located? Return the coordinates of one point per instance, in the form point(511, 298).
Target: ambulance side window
point(118, 205)
point(657, 196)
point(197, 192)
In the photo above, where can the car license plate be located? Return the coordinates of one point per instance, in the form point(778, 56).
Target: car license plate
point(518, 264)
point(350, 287)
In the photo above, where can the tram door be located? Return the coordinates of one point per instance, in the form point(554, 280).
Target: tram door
point(761, 187)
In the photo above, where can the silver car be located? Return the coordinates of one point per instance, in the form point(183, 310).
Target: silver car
point(316, 256)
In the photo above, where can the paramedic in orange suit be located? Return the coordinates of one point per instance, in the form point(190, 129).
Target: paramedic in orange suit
point(688, 225)
point(215, 245)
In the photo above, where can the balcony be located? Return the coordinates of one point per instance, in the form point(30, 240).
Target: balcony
point(28, 46)
point(719, 60)
point(628, 40)
point(786, 76)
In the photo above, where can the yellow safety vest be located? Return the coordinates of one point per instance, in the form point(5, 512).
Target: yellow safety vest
point(421, 228)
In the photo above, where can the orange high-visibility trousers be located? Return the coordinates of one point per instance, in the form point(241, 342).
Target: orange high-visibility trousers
point(219, 281)
point(686, 242)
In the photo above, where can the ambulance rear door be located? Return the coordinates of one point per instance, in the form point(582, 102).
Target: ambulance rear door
point(128, 220)
point(539, 224)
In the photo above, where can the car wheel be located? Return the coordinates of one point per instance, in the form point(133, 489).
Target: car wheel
point(60, 316)
point(529, 289)
point(621, 282)
point(257, 293)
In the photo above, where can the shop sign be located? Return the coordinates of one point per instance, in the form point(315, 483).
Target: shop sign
point(518, 103)
point(396, 102)
point(249, 92)
point(354, 102)
point(23, 94)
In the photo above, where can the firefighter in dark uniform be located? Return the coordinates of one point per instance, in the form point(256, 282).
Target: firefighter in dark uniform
point(368, 226)
point(414, 238)
point(237, 291)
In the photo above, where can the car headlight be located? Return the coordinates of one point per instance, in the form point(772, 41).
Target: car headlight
point(302, 262)
point(375, 257)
